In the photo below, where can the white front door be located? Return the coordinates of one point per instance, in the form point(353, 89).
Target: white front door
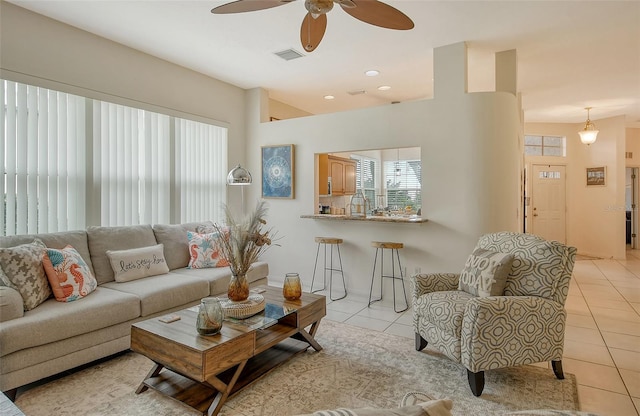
point(548, 202)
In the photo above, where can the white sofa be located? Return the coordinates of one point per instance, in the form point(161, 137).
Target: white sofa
point(57, 336)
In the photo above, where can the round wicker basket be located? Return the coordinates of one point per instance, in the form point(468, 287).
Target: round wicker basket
point(244, 309)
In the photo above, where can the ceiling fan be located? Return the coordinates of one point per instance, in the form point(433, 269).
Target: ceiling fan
point(314, 23)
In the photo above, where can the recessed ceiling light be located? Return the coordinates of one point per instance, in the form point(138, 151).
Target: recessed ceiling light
point(372, 73)
point(384, 87)
point(329, 97)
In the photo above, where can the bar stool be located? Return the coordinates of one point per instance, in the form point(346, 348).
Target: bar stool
point(394, 247)
point(329, 267)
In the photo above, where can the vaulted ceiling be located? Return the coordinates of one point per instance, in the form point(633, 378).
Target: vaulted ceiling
point(571, 54)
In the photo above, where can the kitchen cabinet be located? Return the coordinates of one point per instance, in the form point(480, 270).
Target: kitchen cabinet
point(342, 172)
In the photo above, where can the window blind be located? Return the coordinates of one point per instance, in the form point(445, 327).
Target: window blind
point(131, 156)
point(43, 156)
point(141, 169)
point(403, 183)
point(201, 158)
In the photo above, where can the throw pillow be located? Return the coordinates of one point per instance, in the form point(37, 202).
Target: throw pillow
point(23, 267)
point(68, 274)
point(4, 280)
point(485, 273)
point(137, 263)
point(204, 251)
point(205, 229)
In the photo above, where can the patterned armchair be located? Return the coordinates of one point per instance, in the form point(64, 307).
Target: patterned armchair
point(524, 325)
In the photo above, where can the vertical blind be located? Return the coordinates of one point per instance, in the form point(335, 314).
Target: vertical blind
point(135, 161)
point(43, 160)
point(201, 158)
point(133, 164)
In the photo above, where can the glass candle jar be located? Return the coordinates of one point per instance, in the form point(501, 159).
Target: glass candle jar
point(292, 289)
point(210, 316)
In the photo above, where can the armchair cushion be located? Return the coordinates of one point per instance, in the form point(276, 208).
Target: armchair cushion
point(540, 267)
point(485, 273)
point(444, 309)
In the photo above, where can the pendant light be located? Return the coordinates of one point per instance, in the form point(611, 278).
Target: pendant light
point(589, 134)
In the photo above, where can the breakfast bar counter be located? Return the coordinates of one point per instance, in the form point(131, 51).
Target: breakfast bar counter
point(401, 219)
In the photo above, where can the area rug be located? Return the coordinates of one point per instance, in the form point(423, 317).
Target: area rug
point(356, 368)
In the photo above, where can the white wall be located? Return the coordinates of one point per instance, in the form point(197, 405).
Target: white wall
point(469, 151)
point(632, 144)
point(282, 111)
point(44, 52)
point(595, 215)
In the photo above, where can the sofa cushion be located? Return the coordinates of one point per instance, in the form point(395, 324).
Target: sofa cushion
point(204, 252)
point(219, 278)
point(162, 292)
point(485, 273)
point(137, 263)
point(176, 245)
point(68, 274)
point(53, 321)
point(11, 306)
point(102, 239)
point(23, 267)
point(76, 238)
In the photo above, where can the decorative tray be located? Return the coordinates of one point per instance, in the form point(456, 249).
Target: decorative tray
point(244, 309)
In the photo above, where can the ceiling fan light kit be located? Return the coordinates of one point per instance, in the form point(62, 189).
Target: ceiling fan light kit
point(314, 23)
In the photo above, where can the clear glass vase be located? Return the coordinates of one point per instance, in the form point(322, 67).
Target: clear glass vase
point(292, 289)
point(210, 316)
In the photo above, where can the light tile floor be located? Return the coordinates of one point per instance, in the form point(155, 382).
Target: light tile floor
point(602, 339)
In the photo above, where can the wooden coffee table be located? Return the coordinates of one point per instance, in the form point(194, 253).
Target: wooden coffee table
point(203, 371)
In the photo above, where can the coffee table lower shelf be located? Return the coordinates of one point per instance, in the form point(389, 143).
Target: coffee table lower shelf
point(200, 396)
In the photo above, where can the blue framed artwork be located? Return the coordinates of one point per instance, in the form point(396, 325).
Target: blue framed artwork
point(278, 171)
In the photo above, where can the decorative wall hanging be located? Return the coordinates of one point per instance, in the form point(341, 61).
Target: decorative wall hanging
point(596, 176)
point(278, 171)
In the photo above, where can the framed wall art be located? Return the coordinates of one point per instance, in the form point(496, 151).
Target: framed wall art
point(278, 171)
point(596, 176)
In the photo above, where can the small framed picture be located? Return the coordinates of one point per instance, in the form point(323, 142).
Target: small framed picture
point(596, 176)
point(278, 171)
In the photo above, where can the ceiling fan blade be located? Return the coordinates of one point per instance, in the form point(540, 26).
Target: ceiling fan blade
point(380, 14)
point(345, 3)
point(312, 31)
point(241, 6)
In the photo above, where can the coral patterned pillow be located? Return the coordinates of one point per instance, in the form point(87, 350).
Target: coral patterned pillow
point(69, 275)
point(204, 251)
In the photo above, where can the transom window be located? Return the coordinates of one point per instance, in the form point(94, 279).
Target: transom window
point(545, 146)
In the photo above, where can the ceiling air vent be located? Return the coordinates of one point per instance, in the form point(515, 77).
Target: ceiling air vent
point(289, 54)
point(357, 92)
